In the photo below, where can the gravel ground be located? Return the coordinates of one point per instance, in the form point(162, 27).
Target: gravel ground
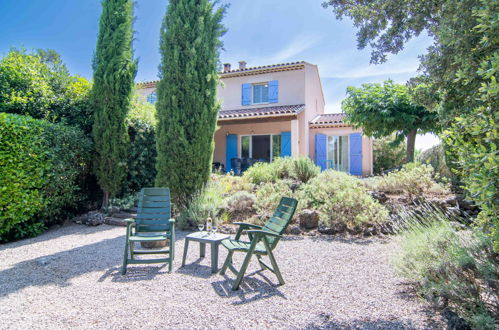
point(70, 278)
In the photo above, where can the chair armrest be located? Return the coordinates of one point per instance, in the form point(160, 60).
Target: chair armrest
point(263, 232)
point(129, 221)
point(247, 225)
point(244, 226)
point(172, 220)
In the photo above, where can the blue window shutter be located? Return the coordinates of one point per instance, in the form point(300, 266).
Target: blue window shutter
point(356, 154)
point(230, 150)
point(273, 91)
point(286, 144)
point(321, 151)
point(246, 94)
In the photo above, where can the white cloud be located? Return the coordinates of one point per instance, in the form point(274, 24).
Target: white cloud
point(333, 107)
point(394, 67)
point(297, 46)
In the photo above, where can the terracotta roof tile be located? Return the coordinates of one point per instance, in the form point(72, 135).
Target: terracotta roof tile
point(328, 119)
point(261, 112)
point(270, 66)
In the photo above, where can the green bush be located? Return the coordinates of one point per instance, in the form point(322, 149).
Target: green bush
point(231, 184)
point(261, 173)
point(269, 194)
point(295, 168)
point(448, 267)
point(340, 197)
point(435, 156)
point(24, 162)
point(142, 151)
point(43, 167)
point(303, 169)
point(39, 85)
point(209, 202)
point(387, 154)
point(413, 179)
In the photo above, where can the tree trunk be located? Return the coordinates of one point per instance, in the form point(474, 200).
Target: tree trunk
point(411, 141)
point(105, 200)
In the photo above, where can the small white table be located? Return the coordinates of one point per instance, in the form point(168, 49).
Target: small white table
point(204, 237)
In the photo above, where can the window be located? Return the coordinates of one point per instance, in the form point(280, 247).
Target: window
point(151, 98)
point(338, 153)
point(260, 93)
point(261, 147)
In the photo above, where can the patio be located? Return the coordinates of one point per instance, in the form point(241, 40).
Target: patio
point(70, 277)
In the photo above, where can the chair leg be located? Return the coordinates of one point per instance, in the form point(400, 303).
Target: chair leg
point(246, 262)
point(228, 261)
point(125, 258)
point(132, 250)
point(171, 254)
point(275, 267)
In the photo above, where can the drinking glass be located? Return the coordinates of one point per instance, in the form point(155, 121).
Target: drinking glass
point(214, 228)
point(201, 226)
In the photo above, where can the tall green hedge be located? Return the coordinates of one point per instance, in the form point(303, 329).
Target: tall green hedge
point(42, 169)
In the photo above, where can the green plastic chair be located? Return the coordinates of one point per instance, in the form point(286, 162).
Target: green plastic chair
point(153, 224)
point(263, 240)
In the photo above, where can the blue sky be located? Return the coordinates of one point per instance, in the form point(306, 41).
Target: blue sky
point(259, 31)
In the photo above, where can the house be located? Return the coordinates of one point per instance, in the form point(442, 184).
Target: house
point(278, 111)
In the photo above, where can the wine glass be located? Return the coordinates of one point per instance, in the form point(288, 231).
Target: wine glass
point(201, 226)
point(213, 228)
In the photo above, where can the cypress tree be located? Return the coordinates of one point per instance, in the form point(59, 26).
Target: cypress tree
point(187, 104)
point(114, 73)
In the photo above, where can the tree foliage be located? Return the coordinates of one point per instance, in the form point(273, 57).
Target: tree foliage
point(187, 105)
point(387, 154)
point(42, 170)
point(385, 109)
point(460, 71)
point(114, 73)
point(39, 85)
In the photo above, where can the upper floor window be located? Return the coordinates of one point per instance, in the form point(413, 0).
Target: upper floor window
point(151, 98)
point(260, 93)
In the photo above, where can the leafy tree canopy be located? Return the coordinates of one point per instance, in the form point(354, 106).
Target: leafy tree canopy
point(383, 109)
point(38, 84)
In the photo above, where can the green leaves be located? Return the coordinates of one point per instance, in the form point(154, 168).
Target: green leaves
point(42, 167)
point(187, 105)
point(114, 73)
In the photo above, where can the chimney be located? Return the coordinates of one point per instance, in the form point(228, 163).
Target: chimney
point(242, 65)
point(226, 67)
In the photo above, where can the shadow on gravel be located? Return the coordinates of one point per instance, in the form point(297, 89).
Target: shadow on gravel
point(59, 268)
point(362, 324)
point(134, 273)
point(251, 288)
point(196, 269)
point(341, 239)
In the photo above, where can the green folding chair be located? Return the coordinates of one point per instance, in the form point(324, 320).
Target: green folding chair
point(153, 224)
point(262, 241)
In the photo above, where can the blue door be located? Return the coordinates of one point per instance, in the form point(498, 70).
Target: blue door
point(286, 144)
point(230, 150)
point(321, 151)
point(356, 154)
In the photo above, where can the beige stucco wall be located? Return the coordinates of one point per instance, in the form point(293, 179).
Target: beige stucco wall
point(245, 129)
point(314, 104)
point(367, 144)
point(145, 91)
point(291, 89)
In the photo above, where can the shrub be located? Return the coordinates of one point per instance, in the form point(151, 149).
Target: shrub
point(240, 206)
point(269, 194)
point(142, 152)
point(261, 173)
point(43, 170)
point(39, 85)
point(24, 162)
point(231, 184)
point(435, 156)
point(296, 168)
point(340, 197)
point(413, 179)
point(456, 269)
point(387, 154)
point(206, 203)
point(303, 169)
